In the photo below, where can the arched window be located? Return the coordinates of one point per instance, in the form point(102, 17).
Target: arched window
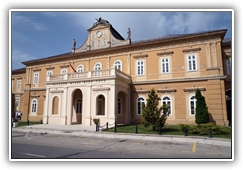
point(167, 100)
point(118, 65)
point(97, 66)
point(140, 102)
point(80, 68)
point(33, 106)
point(79, 106)
point(119, 106)
point(192, 105)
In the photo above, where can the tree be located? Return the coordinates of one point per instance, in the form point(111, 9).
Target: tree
point(152, 114)
point(202, 115)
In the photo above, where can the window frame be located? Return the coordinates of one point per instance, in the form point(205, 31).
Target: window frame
point(35, 106)
point(63, 70)
point(141, 105)
point(188, 60)
point(18, 84)
point(119, 102)
point(165, 65)
point(166, 101)
point(80, 65)
point(17, 101)
point(140, 67)
point(120, 64)
point(195, 102)
point(36, 78)
point(80, 106)
point(49, 72)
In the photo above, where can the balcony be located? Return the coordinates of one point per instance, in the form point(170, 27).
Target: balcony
point(90, 75)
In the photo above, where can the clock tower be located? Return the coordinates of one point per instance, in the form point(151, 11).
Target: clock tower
point(101, 35)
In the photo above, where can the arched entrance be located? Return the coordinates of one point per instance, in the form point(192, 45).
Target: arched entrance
point(121, 111)
point(228, 105)
point(77, 107)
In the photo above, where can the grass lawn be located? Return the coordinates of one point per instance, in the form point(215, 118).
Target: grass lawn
point(167, 130)
point(25, 123)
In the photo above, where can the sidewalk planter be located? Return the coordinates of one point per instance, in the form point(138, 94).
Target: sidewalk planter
point(15, 124)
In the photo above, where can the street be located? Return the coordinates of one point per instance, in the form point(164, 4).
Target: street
point(48, 146)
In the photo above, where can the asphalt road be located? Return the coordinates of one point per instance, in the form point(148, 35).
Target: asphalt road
point(46, 146)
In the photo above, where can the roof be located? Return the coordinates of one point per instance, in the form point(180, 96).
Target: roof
point(20, 70)
point(166, 37)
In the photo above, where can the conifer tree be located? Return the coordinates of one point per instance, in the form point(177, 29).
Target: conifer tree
point(202, 115)
point(151, 113)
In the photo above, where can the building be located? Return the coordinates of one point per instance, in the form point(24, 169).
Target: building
point(114, 76)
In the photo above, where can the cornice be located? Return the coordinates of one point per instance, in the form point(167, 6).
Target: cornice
point(165, 53)
point(37, 69)
point(56, 91)
point(64, 66)
point(194, 89)
point(166, 90)
point(141, 91)
point(101, 89)
point(34, 96)
point(50, 68)
point(70, 56)
point(191, 50)
point(36, 89)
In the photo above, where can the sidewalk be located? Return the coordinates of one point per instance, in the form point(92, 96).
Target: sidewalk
point(87, 131)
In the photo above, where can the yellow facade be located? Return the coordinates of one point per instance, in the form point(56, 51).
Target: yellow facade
point(193, 61)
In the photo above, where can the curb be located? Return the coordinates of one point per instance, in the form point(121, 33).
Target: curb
point(162, 138)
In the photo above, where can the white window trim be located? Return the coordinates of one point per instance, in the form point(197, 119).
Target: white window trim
point(166, 103)
point(49, 72)
point(140, 67)
point(165, 66)
point(100, 65)
point(37, 78)
point(35, 107)
point(191, 63)
point(120, 64)
point(141, 105)
point(63, 70)
point(195, 102)
point(18, 84)
point(80, 65)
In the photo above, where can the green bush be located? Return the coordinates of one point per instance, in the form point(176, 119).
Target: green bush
point(203, 129)
point(96, 121)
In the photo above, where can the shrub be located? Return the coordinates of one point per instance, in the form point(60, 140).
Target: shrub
point(202, 115)
point(96, 121)
point(203, 129)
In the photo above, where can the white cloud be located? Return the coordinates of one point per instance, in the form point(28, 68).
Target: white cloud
point(18, 57)
point(27, 23)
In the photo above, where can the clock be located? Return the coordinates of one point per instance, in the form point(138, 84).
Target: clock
point(98, 34)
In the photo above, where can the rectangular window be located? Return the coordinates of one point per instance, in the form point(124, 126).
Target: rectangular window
point(140, 67)
point(192, 62)
point(165, 65)
point(64, 71)
point(17, 102)
point(36, 77)
point(228, 65)
point(18, 84)
point(49, 73)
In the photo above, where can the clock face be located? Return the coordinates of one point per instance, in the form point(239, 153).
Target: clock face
point(98, 34)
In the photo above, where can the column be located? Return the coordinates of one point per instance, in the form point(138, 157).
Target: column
point(128, 64)
point(45, 116)
point(112, 114)
point(208, 56)
point(64, 111)
point(215, 64)
point(87, 106)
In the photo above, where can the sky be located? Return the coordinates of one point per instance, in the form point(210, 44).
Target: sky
point(36, 35)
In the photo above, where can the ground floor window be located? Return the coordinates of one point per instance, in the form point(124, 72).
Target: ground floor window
point(140, 102)
point(192, 105)
point(167, 100)
point(119, 106)
point(101, 105)
point(33, 106)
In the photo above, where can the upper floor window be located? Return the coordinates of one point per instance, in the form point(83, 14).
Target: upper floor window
point(118, 65)
point(97, 66)
point(18, 84)
point(192, 62)
point(36, 77)
point(80, 68)
point(63, 71)
point(49, 73)
point(140, 67)
point(165, 65)
point(17, 102)
point(228, 65)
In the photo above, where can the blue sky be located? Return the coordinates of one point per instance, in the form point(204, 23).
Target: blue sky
point(38, 35)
